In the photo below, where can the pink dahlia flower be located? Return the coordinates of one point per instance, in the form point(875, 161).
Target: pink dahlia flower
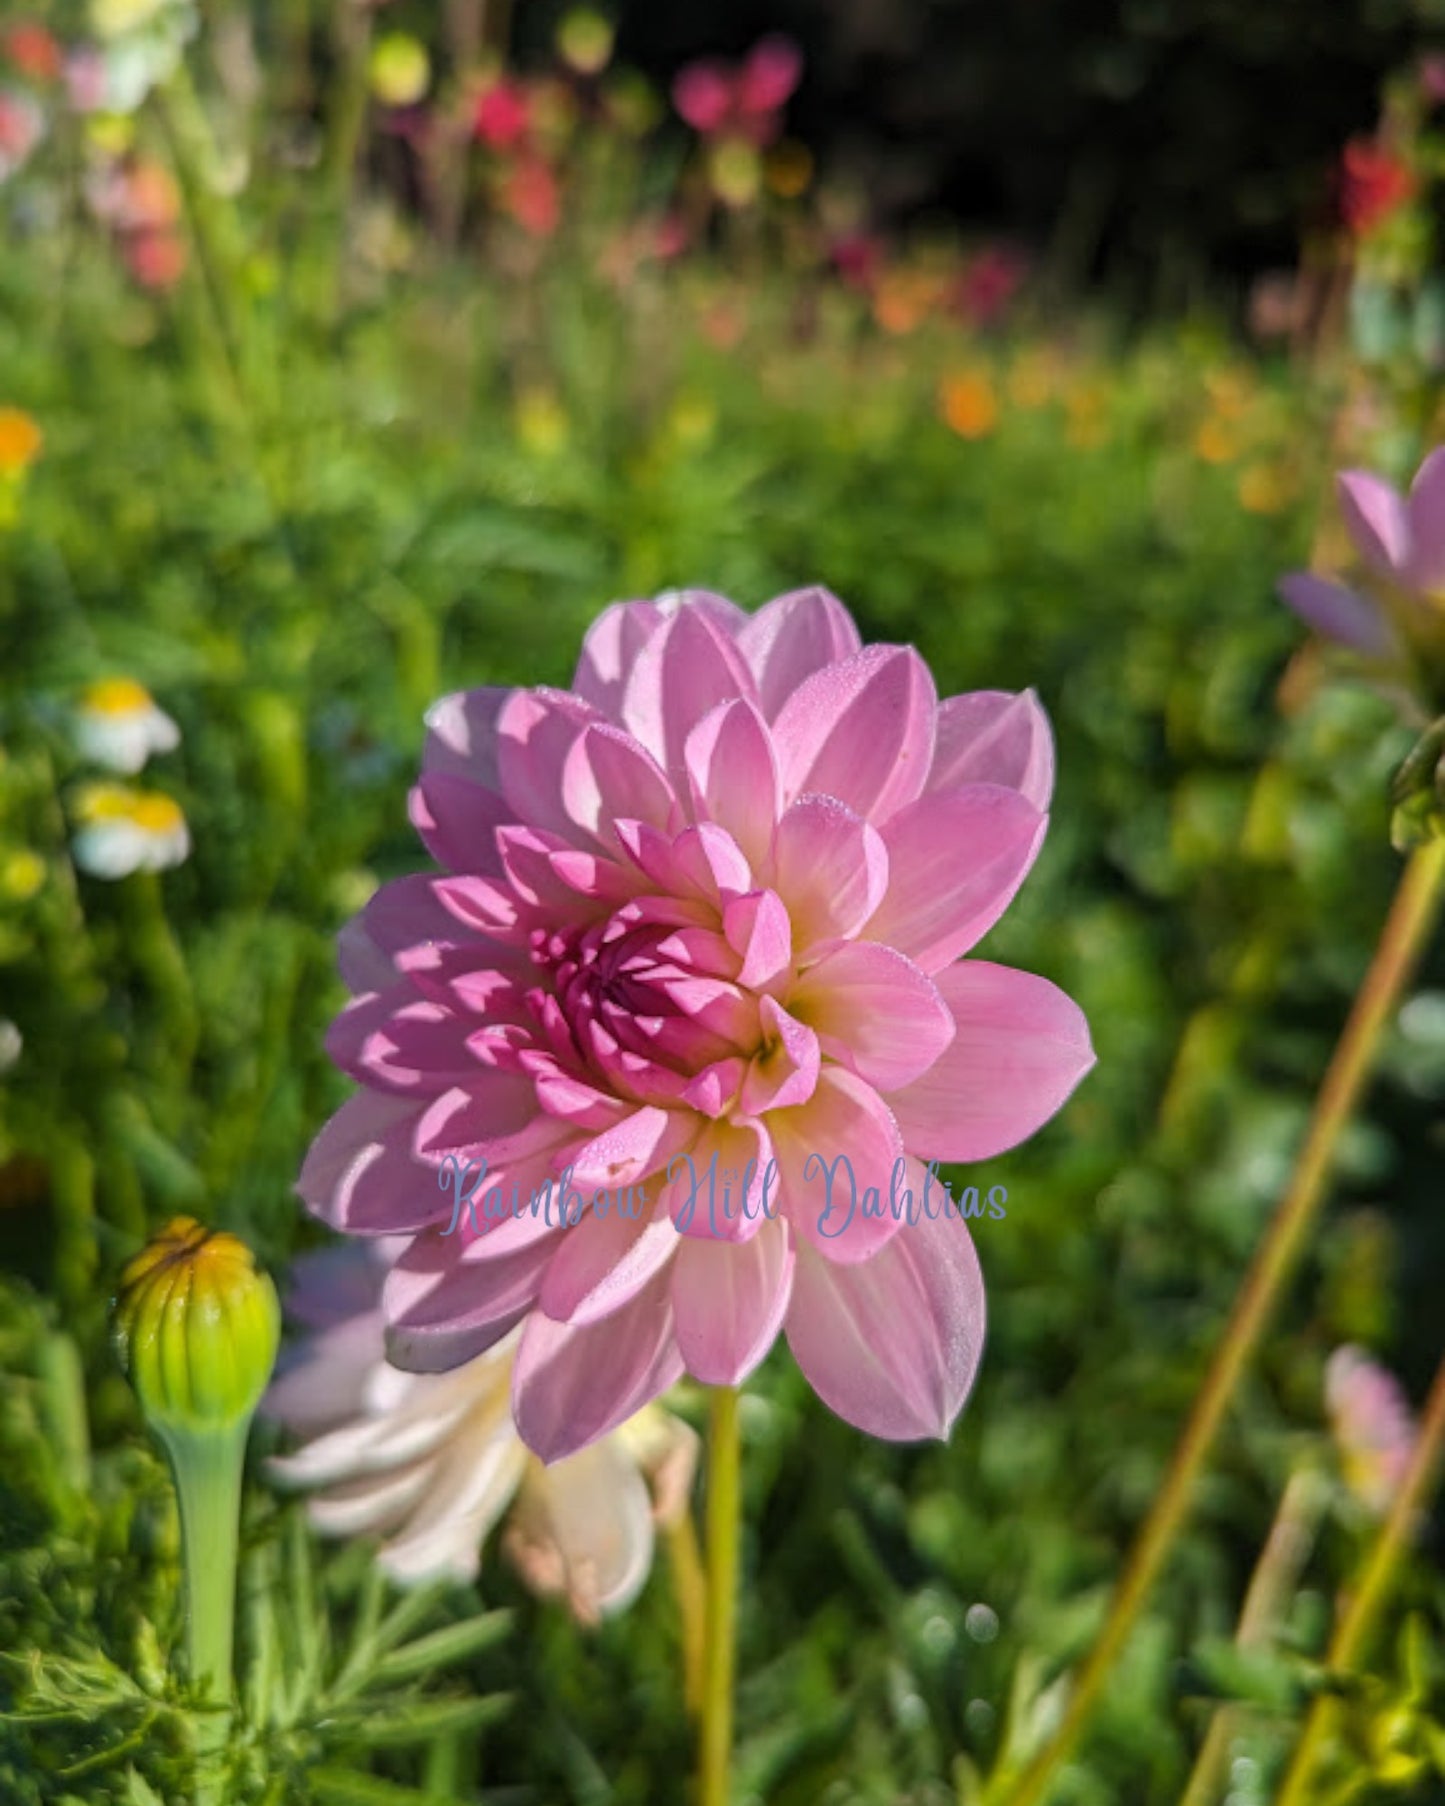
point(653, 1066)
point(743, 100)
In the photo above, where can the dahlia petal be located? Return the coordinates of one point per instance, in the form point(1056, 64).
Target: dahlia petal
point(1375, 515)
point(397, 1042)
point(359, 1174)
point(1425, 512)
point(404, 923)
point(321, 1381)
point(457, 821)
point(875, 1011)
point(956, 859)
point(830, 868)
point(729, 1301)
point(721, 1188)
point(462, 735)
point(361, 963)
point(860, 731)
point(1340, 614)
point(793, 636)
point(474, 1488)
point(604, 1262)
point(713, 1090)
point(366, 1507)
point(757, 927)
point(536, 730)
point(610, 650)
point(494, 1117)
point(572, 1383)
point(1020, 1047)
point(893, 1344)
point(680, 674)
point(528, 857)
point(784, 1073)
point(607, 774)
point(640, 1144)
point(732, 776)
point(994, 737)
point(445, 1309)
point(837, 1155)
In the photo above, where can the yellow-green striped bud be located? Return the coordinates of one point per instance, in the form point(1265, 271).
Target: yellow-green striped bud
point(197, 1324)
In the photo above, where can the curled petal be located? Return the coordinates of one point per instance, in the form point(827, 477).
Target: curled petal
point(607, 774)
point(893, 1344)
point(583, 1528)
point(682, 672)
point(458, 821)
point(1020, 1046)
point(793, 636)
point(733, 776)
point(994, 737)
point(860, 731)
point(535, 732)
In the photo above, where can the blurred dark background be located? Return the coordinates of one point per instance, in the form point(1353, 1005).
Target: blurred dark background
point(1153, 144)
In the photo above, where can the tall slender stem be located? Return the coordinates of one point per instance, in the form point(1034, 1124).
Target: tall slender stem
point(1272, 1585)
point(1412, 914)
point(689, 1585)
point(719, 1656)
point(1356, 1627)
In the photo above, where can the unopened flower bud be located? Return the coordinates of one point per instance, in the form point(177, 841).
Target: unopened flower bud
point(197, 1325)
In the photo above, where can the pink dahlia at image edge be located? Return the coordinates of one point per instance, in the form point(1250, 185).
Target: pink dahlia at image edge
point(710, 900)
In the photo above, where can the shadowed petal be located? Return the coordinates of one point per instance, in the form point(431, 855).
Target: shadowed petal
point(733, 776)
point(610, 650)
point(359, 1174)
point(462, 735)
point(604, 1262)
point(572, 1384)
point(681, 673)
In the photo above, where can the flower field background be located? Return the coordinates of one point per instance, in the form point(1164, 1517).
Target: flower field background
point(312, 448)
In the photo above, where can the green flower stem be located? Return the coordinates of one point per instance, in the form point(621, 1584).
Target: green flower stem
point(63, 1406)
point(1271, 1587)
point(1351, 1641)
point(207, 1465)
point(1412, 914)
point(689, 1586)
point(720, 1652)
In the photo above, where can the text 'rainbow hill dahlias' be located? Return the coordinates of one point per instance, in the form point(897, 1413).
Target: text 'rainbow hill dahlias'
point(654, 1067)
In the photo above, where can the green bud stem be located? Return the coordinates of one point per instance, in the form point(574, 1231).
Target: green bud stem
point(207, 1465)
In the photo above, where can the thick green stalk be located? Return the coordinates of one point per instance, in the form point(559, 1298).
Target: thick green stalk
point(1413, 912)
point(719, 1655)
point(1351, 1641)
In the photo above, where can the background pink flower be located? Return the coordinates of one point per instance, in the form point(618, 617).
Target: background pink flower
point(710, 902)
point(743, 100)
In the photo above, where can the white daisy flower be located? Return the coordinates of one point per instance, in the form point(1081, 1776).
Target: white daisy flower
point(124, 831)
point(118, 725)
point(431, 1462)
